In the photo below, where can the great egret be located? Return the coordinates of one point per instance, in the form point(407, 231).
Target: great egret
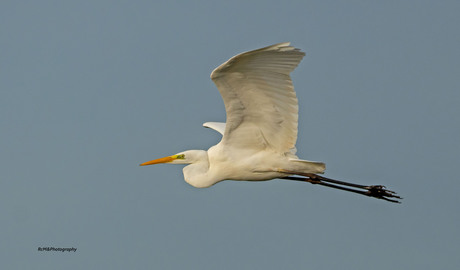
point(259, 136)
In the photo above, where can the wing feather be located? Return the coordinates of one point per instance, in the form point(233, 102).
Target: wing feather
point(217, 126)
point(259, 98)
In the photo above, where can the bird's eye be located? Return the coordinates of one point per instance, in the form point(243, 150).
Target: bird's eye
point(180, 156)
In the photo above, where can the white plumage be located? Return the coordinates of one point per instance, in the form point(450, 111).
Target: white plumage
point(259, 136)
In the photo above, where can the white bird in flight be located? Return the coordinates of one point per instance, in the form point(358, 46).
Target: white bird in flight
point(260, 134)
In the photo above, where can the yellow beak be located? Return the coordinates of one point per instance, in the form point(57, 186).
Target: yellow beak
point(158, 161)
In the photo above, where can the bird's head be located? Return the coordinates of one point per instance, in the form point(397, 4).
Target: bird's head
point(186, 157)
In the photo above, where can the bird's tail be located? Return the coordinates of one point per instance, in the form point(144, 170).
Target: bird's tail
point(310, 166)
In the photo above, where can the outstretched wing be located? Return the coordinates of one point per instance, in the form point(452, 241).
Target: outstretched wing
point(259, 98)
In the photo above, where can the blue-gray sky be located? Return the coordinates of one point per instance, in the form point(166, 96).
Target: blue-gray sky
point(90, 89)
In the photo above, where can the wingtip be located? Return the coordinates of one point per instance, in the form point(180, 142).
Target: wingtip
point(283, 44)
point(280, 47)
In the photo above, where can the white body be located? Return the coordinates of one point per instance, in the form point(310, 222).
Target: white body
point(249, 166)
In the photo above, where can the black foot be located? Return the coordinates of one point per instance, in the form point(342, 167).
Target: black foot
point(381, 192)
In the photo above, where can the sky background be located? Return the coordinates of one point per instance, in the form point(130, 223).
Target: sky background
point(90, 89)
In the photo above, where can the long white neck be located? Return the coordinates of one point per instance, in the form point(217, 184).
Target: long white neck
point(196, 174)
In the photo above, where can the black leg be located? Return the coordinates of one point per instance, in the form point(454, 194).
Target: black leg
point(376, 191)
